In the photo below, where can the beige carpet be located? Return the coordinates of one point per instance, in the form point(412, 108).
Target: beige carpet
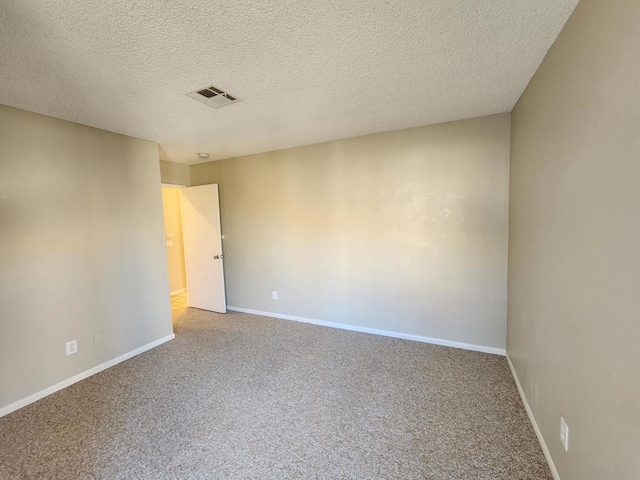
point(243, 397)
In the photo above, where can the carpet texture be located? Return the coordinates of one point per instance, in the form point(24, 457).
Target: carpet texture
point(239, 396)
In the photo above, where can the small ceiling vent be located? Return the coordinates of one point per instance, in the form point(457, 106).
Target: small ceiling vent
point(213, 96)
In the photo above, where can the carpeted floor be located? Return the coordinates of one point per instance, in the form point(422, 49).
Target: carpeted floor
point(238, 396)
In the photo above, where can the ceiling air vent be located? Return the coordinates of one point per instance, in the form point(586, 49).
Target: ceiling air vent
point(213, 96)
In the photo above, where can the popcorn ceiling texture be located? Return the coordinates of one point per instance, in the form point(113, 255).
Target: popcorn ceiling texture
point(238, 396)
point(307, 71)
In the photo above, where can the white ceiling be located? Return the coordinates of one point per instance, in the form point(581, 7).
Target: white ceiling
point(306, 71)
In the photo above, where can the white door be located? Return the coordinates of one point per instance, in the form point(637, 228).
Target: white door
point(203, 248)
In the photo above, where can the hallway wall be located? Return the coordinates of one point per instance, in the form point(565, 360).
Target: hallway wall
point(173, 237)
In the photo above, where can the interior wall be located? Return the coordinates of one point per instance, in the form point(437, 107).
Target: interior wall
point(173, 236)
point(81, 249)
point(574, 262)
point(403, 231)
point(174, 173)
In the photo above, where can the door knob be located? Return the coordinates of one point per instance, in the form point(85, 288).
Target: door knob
point(217, 257)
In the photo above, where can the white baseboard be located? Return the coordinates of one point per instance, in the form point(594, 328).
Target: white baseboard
point(12, 407)
point(527, 407)
point(375, 331)
point(177, 292)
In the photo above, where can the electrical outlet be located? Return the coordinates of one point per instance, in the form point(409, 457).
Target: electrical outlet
point(564, 434)
point(98, 338)
point(298, 297)
point(72, 347)
point(274, 295)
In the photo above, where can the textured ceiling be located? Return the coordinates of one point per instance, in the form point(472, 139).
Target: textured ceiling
point(306, 71)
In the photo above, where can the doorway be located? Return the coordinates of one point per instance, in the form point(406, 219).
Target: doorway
point(194, 248)
point(175, 249)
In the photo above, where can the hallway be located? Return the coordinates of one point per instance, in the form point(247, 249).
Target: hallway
point(179, 303)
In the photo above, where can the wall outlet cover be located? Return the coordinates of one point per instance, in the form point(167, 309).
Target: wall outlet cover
point(72, 347)
point(274, 295)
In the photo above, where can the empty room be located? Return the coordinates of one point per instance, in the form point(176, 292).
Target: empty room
point(380, 239)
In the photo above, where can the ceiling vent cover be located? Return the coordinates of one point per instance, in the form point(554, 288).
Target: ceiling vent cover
point(213, 96)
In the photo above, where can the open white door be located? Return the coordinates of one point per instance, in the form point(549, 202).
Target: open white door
point(203, 248)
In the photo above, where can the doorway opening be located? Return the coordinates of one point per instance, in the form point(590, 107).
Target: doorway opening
point(194, 248)
point(175, 249)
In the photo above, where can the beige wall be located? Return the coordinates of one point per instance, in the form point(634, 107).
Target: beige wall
point(173, 235)
point(574, 256)
point(81, 249)
point(174, 173)
point(403, 231)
